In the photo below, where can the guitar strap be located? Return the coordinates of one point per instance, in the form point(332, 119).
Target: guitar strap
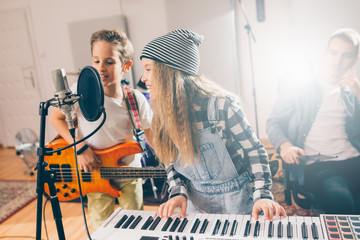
point(132, 107)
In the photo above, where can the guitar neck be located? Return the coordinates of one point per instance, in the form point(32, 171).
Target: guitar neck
point(132, 172)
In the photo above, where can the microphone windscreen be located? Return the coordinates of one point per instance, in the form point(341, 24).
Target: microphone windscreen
point(90, 87)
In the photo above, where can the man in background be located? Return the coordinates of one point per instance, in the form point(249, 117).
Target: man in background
point(322, 118)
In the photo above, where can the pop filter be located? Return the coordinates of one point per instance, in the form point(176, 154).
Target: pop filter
point(90, 88)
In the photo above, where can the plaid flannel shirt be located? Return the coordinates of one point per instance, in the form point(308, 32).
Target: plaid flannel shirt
point(245, 150)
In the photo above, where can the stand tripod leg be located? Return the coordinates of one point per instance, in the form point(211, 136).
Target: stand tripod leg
point(56, 207)
point(154, 188)
point(49, 179)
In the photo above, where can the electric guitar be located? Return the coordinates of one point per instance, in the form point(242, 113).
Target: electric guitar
point(100, 180)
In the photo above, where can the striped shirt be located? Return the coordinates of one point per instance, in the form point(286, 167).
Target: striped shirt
point(245, 150)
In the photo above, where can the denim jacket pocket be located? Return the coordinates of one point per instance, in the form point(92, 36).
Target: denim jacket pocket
point(209, 165)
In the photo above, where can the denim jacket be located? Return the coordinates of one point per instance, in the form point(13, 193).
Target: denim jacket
point(294, 112)
point(246, 151)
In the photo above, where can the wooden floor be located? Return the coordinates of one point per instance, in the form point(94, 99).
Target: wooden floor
point(22, 225)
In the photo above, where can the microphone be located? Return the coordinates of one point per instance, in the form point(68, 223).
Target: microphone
point(64, 99)
point(90, 95)
point(260, 10)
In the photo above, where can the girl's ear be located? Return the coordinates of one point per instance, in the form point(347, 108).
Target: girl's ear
point(127, 66)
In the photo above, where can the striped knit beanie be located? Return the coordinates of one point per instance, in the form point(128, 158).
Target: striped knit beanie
point(177, 49)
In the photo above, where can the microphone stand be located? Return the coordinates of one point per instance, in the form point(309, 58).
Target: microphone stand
point(250, 32)
point(46, 176)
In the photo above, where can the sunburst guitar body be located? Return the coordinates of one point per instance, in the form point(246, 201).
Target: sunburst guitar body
point(100, 180)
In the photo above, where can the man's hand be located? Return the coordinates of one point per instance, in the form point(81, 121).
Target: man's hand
point(352, 81)
point(290, 153)
point(166, 209)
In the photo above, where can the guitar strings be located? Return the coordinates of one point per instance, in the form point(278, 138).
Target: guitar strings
point(113, 173)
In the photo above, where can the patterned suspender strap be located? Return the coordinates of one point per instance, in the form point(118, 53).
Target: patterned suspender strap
point(131, 104)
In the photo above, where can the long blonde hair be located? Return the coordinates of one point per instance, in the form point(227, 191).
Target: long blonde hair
point(173, 132)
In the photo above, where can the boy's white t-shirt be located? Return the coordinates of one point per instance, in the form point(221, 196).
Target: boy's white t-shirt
point(117, 128)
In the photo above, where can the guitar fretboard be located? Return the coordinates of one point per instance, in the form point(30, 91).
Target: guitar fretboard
point(132, 172)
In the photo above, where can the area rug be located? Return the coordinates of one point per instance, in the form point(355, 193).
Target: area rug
point(293, 210)
point(15, 195)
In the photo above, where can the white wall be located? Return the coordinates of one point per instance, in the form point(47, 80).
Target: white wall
point(146, 21)
point(216, 24)
point(49, 25)
point(298, 24)
point(291, 39)
point(291, 26)
point(269, 39)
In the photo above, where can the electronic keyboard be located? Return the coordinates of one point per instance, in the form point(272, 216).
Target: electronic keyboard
point(145, 225)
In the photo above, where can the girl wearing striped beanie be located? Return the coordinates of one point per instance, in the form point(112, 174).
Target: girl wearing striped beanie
point(215, 162)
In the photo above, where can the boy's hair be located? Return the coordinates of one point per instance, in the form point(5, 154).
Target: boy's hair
point(116, 37)
point(348, 35)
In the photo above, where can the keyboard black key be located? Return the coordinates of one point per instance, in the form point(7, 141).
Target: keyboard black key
point(183, 225)
point(304, 231)
point(289, 230)
point(271, 229)
point(217, 227)
point(121, 221)
point(167, 224)
point(148, 238)
point(204, 226)
point(136, 222)
point(225, 228)
point(247, 228)
point(233, 228)
point(177, 237)
point(195, 226)
point(257, 229)
point(170, 237)
point(155, 223)
point(314, 231)
point(128, 222)
point(280, 230)
point(175, 224)
point(147, 223)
